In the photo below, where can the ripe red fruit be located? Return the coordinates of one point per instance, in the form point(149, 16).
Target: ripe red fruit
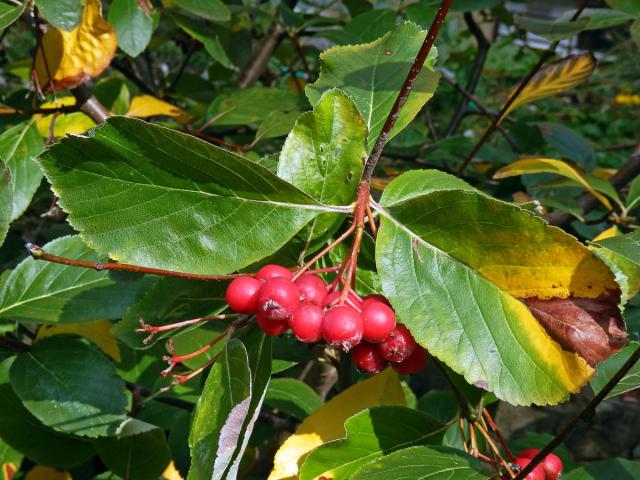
point(242, 294)
point(270, 327)
point(398, 345)
point(273, 271)
point(536, 474)
point(373, 299)
point(552, 465)
point(342, 327)
point(306, 322)
point(414, 363)
point(367, 358)
point(379, 320)
point(278, 299)
point(312, 289)
point(352, 299)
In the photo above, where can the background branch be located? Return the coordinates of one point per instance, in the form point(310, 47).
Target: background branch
point(259, 61)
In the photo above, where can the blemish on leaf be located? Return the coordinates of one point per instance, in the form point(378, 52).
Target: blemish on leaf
point(388, 52)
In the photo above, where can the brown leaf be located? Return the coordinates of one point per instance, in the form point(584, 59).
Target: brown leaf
point(591, 327)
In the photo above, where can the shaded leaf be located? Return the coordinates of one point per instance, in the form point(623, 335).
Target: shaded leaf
point(276, 124)
point(607, 369)
point(74, 57)
point(615, 468)
point(214, 10)
point(63, 14)
point(554, 78)
point(327, 422)
point(569, 143)
point(435, 463)
point(168, 200)
point(460, 269)
point(40, 472)
point(633, 197)
point(370, 434)
point(6, 203)
point(622, 254)
point(204, 33)
point(99, 332)
point(39, 291)
point(9, 14)
point(371, 75)
point(69, 385)
point(133, 26)
point(292, 397)
point(363, 28)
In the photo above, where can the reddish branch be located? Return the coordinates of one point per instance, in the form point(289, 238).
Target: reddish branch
point(154, 330)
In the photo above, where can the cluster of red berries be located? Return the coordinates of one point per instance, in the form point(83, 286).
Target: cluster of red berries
point(366, 326)
point(549, 469)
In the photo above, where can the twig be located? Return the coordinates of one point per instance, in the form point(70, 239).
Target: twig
point(430, 125)
point(512, 98)
point(586, 412)
point(183, 66)
point(462, 401)
point(39, 254)
point(259, 61)
point(405, 91)
point(494, 427)
point(493, 447)
point(296, 41)
point(89, 104)
point(39, 111)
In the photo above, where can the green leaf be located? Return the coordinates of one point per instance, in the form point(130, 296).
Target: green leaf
point(632, 7)
point(633, 197)
point(323, 156)
point(622, 254)
point(227, 385)
point(569, 143)
point(615, 468)
point(440, 404)
point(156, 197)
point(133, 26)
point(6, 204)
point(70, 386)
point(292, 397)
point(371, 434)
point(138, 451)
point(454, 265)
point(9, 455)
point(608, 368)
point(471, 5)
point(563, 27)
point(363, 28)
point(435, 463)
point(204, 33)
point(25, 433)
point(63, 14)
point(18, 148)
point(372, 75)
point(276, 124)
point(214, 10)
point(40, 291)
point(250, 105)
point(9, 14)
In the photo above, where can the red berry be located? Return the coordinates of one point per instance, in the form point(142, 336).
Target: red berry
point(278, 299)
point(414, 363)
point(551, 464)
point(242, 294)
point(273, 271)
point(342, 327)
point(312, 289)
point(270, 327)
point(352, 299)
point(367, 358)
point(306, 322)
point(374, 299)
point(398, 345)
point(536, 474)
point(379, 320)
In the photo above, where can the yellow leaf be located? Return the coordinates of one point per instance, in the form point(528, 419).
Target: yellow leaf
point(99, 332)
point(144, 106)
point(40, 472)
point(627, 99)
point(603, 173)
point(327, 423)
point(8, 471)
point(171, 472)
point(65, 123)
point(68, 59)
point(548, 165)
point(556, 77)
point(612, 231)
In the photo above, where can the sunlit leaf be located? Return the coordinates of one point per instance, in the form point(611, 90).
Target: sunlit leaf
point(327, 422)
point(6, 204)
point(608, 368)
point(293, 397)
point(622, 254)
point(99, 332)
point(554, 78)
point(68, 59)
point(63, 14)
point(9, 14)
point(144, 106)
point(75, 123)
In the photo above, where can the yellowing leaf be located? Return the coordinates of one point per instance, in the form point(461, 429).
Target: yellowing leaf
point(327, 423)
point(171, 472)
point(99, 332)
point(548, 165)
point(554, 78)
point(68, 59)
point(74, 123)
point(612, 231)
point(8, 471)
point(40, 472)
point(144, 106)
point(627, 99)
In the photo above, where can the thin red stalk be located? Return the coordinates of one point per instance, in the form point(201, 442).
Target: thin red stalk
point(494, 448)
point(359, 215)
point(494, 427)
point(178, 379)
point(153, 330)
point(39, 254)
point(324, 251)
point(174, 359)
point(372, 221)
point(324, 270)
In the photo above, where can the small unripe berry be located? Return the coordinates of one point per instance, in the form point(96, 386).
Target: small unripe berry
point(398, 345)
point(414, 363)
point(352, 300)
point(271, 327)
point(373, 299)
point(552, 465)
point(312, 289)
point(278, 299)
point(536, 474)
point(273, 271)
point(342, 327)
point(306, 322)
point(379, 320)
point(242, 294)
point(367, 358)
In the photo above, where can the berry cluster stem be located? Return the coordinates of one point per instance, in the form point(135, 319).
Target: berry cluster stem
point(154, 330)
